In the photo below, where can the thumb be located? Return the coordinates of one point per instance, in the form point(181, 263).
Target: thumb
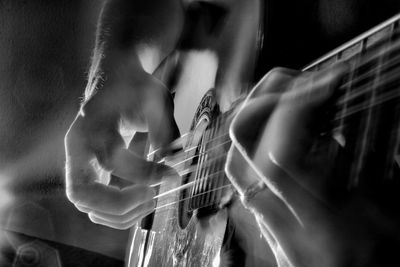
point(159, 113)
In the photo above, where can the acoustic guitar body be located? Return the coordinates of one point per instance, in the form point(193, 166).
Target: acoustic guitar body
point(177, 238)
point(204, 224)
point(196, 215)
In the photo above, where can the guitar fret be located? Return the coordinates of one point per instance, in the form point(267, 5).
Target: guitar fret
point(197, 175)
point(364, 91)
point(369, 121)
point(393, 157)
point(338, 132)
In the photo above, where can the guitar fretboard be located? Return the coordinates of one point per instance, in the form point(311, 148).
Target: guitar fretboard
point(366, 101)
point(367, 113)
point(360, 45)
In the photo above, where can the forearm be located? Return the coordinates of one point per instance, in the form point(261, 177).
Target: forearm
point(110, 22)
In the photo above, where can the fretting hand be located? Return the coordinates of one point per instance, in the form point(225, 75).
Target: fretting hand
point(280, 163)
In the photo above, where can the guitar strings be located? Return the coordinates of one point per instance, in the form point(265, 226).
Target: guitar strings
point(193, 168)
point(350, 111)
point(210, 161)
point(359, 92)
point(375, 72)
point(359, 107)
point(188, 185)
point(389, 95)
point(187, 198)
point(200, 153)
point(386, 97)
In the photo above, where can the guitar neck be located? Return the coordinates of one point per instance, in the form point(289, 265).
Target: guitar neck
point(366, 112)
point(372, 81)
point(360, 45)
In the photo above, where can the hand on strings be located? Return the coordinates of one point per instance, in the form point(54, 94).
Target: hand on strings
point(95, 149)
point(280, 162)
point(120, 95)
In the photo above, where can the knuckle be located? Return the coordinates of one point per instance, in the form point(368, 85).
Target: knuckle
point(275, 80)
point(277, 71)
point(280, 72)
point(76, 192)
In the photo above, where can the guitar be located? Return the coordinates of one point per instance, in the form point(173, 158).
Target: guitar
point(197, 213)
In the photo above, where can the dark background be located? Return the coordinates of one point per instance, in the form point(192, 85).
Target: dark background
point(45, 48)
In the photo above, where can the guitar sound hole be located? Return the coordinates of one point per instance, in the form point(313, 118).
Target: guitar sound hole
point(197, 199)
point(184, 214)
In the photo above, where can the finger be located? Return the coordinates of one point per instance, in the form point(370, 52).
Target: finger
point(313, 88)
point(127, 165)
point(158, 108)
point(77, 151)
point(115, 225)
point(273, 82)
point(249, 122)
point(107, 146)
point(257, 108)
point(239, 171)
point(108, 199)
point(90, 140)
point(288, 137)
point(131, 215)
point(290, 133)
